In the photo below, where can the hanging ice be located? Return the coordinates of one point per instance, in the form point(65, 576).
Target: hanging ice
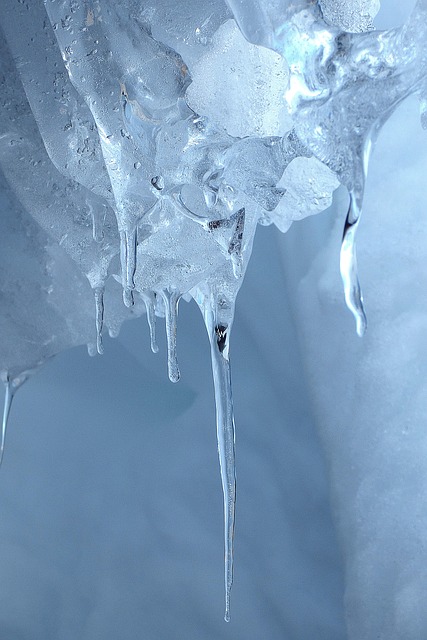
point(140, 146)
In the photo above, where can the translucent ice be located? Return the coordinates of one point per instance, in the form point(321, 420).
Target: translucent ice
point(141, 144)
point(308, 186)
point(239, 86)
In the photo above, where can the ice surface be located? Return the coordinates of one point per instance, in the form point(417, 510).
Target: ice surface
point(350, 15)
point(65, 122)
point(141, 145)
point(261, 21)
point(308, 186)
point(239, 86)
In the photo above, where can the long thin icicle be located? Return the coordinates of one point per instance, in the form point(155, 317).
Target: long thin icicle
point(219, 335)
point(171, 300)
point(226, 452)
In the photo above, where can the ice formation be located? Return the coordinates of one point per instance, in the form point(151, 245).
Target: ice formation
point(142, 143)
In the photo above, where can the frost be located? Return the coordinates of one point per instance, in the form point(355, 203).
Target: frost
point(141, 145)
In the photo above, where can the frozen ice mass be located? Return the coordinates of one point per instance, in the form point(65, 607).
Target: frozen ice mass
point(141, 145)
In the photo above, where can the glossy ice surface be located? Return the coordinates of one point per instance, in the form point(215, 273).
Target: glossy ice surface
point(142, 143)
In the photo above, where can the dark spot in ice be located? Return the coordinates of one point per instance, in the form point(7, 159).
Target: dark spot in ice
point(221, 336)
point(157, 182)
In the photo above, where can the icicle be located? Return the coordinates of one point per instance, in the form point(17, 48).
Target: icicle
point(149, 300)
point(91, 349)
point(98, 218)
point(113, 332)
point(219, 336)
point(8, 397)
point(225, 436)
point(348, 264)
point(171, 300)
point(99, 306)
point(348, 259)
point(128, 246)
point(11, 386)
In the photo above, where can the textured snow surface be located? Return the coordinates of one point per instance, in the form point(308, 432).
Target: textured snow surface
point(370, 396)
point(140, 147)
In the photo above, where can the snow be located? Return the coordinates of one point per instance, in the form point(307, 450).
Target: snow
point(370, 396)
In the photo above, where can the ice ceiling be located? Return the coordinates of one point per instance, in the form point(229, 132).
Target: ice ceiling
point(142, 143)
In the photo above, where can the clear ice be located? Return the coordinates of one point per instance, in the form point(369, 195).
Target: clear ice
point(141, 144)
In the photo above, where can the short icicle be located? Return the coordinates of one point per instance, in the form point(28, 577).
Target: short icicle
point(171, 300)
point(348, 264)
point(8, 397)
point(128, 248)
point(149, 301)
point(99, 309)
point(348, 260)
point(10, 386)
point(219, 335)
